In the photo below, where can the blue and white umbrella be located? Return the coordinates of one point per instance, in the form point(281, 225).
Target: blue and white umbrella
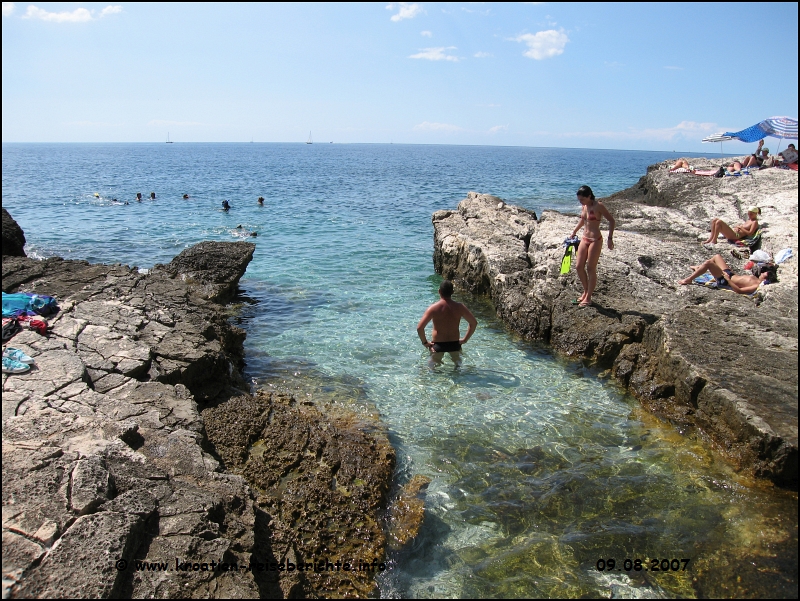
point(777, 127)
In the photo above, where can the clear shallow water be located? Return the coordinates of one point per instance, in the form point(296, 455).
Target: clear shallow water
point(539, 467)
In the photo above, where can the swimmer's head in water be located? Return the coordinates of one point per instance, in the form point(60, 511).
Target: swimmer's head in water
point(585, 192)
point(446, 289)
point(152, 194)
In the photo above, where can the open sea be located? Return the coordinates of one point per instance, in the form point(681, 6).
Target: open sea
point(542, 469)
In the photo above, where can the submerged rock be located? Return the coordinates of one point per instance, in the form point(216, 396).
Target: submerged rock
point(707, 357)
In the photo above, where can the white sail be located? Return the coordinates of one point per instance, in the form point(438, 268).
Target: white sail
point(310, 141)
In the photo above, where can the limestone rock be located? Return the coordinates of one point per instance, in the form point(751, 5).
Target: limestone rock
point(724, 362)
point(108, 471)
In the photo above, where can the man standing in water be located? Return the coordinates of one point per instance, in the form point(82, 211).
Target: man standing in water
point(446, 315)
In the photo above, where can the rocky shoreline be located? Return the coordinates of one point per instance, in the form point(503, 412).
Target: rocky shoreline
point(724, 363)
point(136, 465)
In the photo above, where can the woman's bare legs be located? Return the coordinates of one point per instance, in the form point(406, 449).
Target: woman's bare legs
point(715, 265)
point(720, 227)
point(588, 257)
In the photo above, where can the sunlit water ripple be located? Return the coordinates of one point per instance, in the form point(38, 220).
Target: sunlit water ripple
point(539, 466)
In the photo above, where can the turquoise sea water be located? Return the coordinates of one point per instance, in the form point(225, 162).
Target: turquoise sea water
point(539, 466)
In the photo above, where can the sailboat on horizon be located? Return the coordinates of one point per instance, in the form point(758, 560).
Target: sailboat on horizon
point(309, 141)
point(168, 140)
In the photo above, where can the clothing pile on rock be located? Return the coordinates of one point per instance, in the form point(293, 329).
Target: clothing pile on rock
point(20, 310)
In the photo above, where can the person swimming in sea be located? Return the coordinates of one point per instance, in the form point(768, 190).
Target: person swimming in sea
point(152, 195)
point(139, 197)
point(185, 196)
point(225, 205)
point(261, 200)
point(243, 233)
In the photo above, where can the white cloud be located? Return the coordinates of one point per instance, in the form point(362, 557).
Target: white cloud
point(8, 8)
point(406, 10)
point(498, 128)
point(428, 126)
point(79, 15)
point(427, 34)
point(482, 55)
point(674, 68)
point(544, 44)
point(436, 54)
point(690, 130)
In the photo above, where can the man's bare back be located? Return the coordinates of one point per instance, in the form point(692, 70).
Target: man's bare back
point(446, 315)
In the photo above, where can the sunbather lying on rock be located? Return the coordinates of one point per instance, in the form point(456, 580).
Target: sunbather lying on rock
point(737, 232)
point(754, 160)
point(682, 164)
point(743, 284)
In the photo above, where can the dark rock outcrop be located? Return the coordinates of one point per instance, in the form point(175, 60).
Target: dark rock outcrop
point(711, 358)
point(211, 270)
point(13, 238)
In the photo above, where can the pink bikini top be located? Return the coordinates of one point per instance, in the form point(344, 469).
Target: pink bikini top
point(590, 214)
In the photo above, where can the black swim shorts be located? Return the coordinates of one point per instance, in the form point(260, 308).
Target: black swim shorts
point(721, 281)
point(447, 347)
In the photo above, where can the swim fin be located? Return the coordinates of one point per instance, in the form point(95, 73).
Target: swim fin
point(566, 262)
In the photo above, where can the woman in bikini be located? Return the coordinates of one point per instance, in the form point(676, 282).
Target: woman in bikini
point(592, 242)
point(737, 232)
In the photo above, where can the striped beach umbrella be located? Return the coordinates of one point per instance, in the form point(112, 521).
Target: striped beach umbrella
point(777, 127)
point(717, 138)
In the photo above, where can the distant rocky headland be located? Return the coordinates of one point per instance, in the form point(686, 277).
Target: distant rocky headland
point(712, 359)
point(135, 464)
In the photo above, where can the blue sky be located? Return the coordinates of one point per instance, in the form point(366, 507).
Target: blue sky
point(630, 76)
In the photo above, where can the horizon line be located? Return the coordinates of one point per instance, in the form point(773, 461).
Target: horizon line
point(328, 143)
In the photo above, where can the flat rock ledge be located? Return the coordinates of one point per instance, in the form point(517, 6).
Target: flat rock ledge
point(135, 466)
point(713, 359)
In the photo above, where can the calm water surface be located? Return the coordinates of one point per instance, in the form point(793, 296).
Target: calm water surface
point(539, 467)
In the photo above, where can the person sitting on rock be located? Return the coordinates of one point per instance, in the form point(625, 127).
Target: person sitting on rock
point(746, 229)
point(741, 284)
point(789, 155)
